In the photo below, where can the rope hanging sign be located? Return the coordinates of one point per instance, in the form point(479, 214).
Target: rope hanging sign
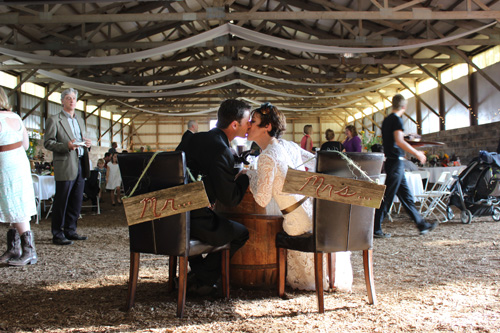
point(333, 188)
point(162, 203)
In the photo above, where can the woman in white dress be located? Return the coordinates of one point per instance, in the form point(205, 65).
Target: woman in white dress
point(268, 124)
point(114, 179)
point(17, 197)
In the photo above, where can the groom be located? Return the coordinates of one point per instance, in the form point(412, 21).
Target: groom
point(208, 154)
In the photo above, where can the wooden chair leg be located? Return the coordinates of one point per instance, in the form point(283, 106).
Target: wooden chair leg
point(225, 273)
point(281, 253)
point(181, 296)
point(318, 277)
point(172, 271)
point(370, 285)
point(332, 259)
point(132, 280)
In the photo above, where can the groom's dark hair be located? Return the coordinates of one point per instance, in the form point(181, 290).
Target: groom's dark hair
point(231, 110)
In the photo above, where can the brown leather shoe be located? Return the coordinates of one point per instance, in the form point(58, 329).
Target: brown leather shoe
point(13, 247)
point(29, 256)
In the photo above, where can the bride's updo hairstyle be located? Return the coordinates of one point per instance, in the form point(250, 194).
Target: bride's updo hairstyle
point(270, 114)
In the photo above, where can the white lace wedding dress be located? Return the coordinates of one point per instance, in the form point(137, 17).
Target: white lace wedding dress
point(265, 183)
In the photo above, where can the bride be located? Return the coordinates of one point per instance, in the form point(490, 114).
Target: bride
point(267, 126)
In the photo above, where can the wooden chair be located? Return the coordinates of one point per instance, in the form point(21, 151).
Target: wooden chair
point(336, 226)
point(169, 235)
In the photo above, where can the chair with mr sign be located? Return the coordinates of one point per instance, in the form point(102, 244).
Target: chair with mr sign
point(336, 226)
point(168, 235)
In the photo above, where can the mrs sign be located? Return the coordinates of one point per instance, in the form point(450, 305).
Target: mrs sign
point(333, 188)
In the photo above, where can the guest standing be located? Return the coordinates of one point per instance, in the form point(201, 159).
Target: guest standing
point(114, 180)
point(330, 143)
point(64, 137)
point(107, 158)
point(112, 150)
point(394, 147)
point(102, 171)
point(268, 124)
point(352, 142)
point(192, 127)
point(307, 143)
point(208, 154)
point(17, 199)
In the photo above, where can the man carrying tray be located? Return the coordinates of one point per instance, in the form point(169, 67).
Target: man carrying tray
point(394, 148)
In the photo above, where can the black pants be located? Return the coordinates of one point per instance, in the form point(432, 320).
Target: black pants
point(208, 269)
point(396, 185)
point(67, 205)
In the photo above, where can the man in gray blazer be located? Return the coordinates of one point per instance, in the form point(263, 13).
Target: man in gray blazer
point(64, 136)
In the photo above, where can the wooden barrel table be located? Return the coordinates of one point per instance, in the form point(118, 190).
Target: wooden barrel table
point(255, 265)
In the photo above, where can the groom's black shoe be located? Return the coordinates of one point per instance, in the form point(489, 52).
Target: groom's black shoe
point(61, 241)
point(191, 280)
point(75, 236)
point(202, 290)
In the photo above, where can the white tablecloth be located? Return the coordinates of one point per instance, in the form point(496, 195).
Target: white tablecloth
point(47, 187)
point(435, 172)
point(414, 181)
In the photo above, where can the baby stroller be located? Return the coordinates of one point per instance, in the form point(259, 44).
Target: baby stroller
point(476, 191)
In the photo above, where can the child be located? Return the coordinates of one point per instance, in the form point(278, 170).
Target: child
point(114, 179)
point(102, 170)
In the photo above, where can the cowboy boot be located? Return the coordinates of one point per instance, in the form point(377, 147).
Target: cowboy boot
point(29, 256)
point(13, 247)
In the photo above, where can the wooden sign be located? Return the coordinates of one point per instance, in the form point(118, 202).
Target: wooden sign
point(162, 203)
point(333, 188)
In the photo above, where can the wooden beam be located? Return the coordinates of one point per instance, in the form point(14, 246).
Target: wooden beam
point(111, 127)
point(26, 78)
point(88, 114)
point(132, 133)
point(448, 90)
point(57, 86)
point(253, 62)
point(387, 14)
point(421, 100)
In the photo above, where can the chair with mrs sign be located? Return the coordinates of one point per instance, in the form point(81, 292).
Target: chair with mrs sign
point(336, 226)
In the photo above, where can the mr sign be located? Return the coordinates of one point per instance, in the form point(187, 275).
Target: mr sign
point(162, 203)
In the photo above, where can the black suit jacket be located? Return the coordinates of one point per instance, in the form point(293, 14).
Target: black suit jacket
point(186, 137)
point(208, 154)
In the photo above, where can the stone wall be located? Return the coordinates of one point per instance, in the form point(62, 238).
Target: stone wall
point(466, 142)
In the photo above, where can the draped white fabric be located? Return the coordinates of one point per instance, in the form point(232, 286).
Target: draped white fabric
point(114, 87)
point(168, 114)
point(221, 85)
point(117, 59)
point(330, 108)
point(251, 101)
point(294, 45)
point(228, 28)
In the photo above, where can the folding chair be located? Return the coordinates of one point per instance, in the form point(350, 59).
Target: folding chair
point(36, 188)
point(434, 202)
